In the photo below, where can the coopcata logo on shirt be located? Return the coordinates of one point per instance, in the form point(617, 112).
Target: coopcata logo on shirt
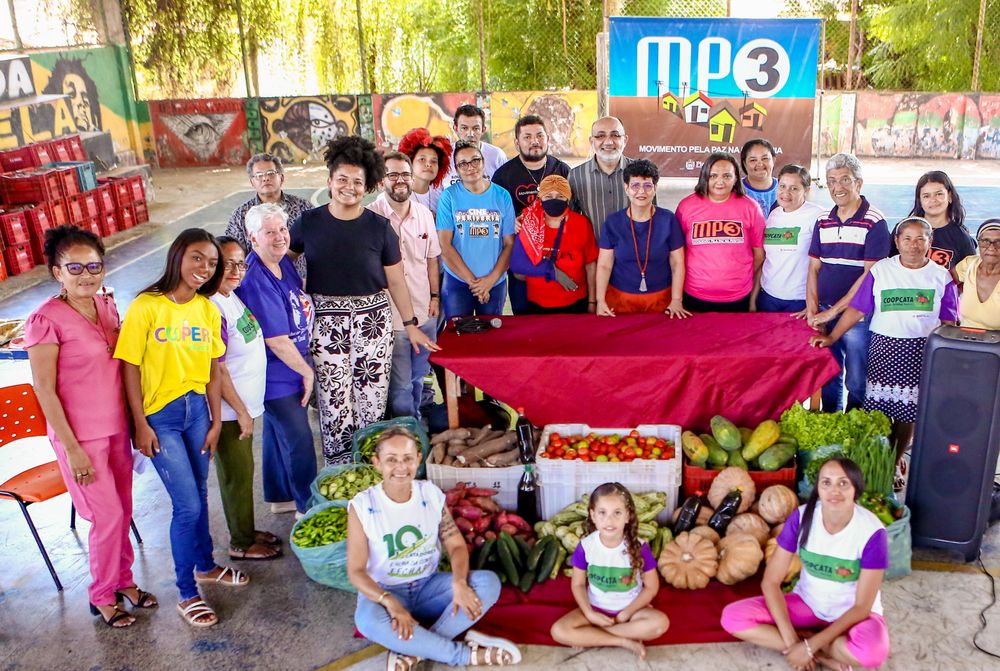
point(715, 232)
point(194, 338)
point(782, 236)
point(909, 300)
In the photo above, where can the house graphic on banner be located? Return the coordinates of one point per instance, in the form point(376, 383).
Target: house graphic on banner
point(697, 108)
point(670, 103)
point(722, 124)
point(752, 115)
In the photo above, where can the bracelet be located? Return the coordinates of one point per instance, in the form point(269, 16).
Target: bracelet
point(809, 649)
point(385, 594)
point(435, 295)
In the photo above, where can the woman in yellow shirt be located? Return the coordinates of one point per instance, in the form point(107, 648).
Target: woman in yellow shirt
point(170, 344)
point(979, 305)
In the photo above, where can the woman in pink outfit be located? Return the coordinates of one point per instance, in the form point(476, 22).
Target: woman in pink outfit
point(70, 339)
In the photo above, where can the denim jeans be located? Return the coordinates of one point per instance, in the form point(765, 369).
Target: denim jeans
point(288, 456)
point(768, 303)
point(517, 291)
point(851, 353)
point(181, 427)
point(429, 602)
point(458, 301)
point(406, 379)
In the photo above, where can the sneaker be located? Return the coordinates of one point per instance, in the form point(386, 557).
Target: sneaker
point(299, 515)
point(283, 507)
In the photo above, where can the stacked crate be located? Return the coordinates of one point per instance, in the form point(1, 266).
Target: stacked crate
point(49, 184)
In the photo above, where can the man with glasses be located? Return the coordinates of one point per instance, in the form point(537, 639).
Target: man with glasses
point(267, 177)
point(598, 184)
point(846, 243)
point(475, 224)
point(418, 241)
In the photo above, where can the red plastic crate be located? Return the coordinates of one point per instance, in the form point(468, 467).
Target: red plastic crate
point(74, 210)
point(41, 217)
point(41, 154)
point(3, 269)
point(22, 158)
point(126, 217)
point(14, 227)
point(88, 203)
point(70, 182)
point(141, 212)
point(76, 150)
point(91, 224)
point(18, 259)
point(137, 188)
point(31, 187)
point(120, 191)
point(105, 199)
point(108, 221)
point(59, 149)
point(700, 479)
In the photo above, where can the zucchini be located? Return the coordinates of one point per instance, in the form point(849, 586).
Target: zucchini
point(776, 456)
point(536, 553)
point(512, 548)
point(565, 518)
point(561, 555)
point(524, 549)
point(507, 562)
point(527, 581)
point(548, 560)
point(484, 553)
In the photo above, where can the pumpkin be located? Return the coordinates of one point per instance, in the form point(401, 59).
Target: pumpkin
point(739, 557)
point(707, 532)
point(704, 514)
point(748, 523)
point(726, 481)
point(688, 562)
point(776, 503)
point(793, 568)
point(776, 531)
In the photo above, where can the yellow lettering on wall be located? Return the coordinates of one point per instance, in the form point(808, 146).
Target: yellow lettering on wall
point(32, 134)
point(7, 138)
point(64, 124)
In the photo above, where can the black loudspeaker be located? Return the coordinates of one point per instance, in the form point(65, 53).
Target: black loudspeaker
point(957, 441)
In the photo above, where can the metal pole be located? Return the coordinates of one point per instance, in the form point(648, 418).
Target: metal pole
point(850, 44)
point(243, 47)
point(482, 49)
point(18, 44)
point(822, 92)
point(979, 45)
point(362, 50)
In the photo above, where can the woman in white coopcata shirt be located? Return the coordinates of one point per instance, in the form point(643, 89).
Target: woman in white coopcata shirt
point(395, 531)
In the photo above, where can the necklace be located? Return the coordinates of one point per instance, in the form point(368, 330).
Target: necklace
point(89, 312)
point(531, 173)
point(635, 242)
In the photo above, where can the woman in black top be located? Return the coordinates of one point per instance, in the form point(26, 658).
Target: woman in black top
point(352, 257)
point(937, 201)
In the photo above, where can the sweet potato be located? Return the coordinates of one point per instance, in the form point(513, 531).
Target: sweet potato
point(482, 524)
point(509, 528)
point(450, 434)
point(453, 496)
point(508, 458)
point(519, 522)
point(484, 503)
point(469, 512)
point(464, 525)
point(480, 491)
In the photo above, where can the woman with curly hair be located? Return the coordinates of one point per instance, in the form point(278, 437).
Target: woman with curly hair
point(431, 156)
point(352, 257)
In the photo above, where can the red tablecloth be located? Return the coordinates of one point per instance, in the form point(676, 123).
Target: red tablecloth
point(642, 369)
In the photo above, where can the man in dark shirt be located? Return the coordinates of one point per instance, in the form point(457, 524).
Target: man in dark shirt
point(520, 176)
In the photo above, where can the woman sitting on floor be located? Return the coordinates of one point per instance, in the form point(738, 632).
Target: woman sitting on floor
point(395, 531)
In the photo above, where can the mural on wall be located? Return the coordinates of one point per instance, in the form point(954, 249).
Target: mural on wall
point(396, 114)
point(296, 129)
point(97, 94)
point(26, 116)
point(988, 137)
point(199, 132)
point(885, 124)
point(568, 117)
point(945, 125)
point(837, 123)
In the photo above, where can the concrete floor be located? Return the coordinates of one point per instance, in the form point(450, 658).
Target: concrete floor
point(282, 620)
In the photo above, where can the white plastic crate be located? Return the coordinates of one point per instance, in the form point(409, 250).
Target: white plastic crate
point(562, 481)
point(503, 479)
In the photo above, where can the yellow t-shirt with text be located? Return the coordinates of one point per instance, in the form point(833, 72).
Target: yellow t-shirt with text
point(173, 346)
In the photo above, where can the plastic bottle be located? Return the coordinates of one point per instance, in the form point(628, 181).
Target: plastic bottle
point(688, 516)
point(726, 511)
point(525, 438)
point(527, 495)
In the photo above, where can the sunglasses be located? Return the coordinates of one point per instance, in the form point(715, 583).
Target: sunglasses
point(94, 268)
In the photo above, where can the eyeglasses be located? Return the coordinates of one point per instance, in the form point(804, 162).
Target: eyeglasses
point(843, 181)
point(94, 267)
point(644, 186)
point(399, 176)
point(601, 137)
point(267, 174)
point(986, 242)
point(234, 265)
point(467, 165)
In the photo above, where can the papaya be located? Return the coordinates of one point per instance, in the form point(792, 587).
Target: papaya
point(694, 448)
point(745, 434)
point(716, 455)
point(726, 433)
point(736, 459)
point(764, 436)
point(776, 456)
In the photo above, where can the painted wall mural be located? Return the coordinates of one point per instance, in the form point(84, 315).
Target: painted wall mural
point(988, 135)
point(27, 115)
point(568, 117)
point(396, 114)
point(296, 129)
point(199, 132)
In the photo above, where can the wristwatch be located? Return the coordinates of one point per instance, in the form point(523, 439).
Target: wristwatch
point(411, 322)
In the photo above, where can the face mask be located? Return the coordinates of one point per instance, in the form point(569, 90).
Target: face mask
point(554, 207)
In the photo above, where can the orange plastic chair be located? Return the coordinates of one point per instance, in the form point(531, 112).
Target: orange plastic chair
point(21, 417)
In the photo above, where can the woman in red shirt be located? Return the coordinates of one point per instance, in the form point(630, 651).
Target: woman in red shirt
point(556, 252)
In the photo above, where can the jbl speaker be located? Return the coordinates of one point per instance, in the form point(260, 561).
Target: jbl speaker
point(957, 441)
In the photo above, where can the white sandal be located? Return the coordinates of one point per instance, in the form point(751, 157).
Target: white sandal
point(236, 578)
point(194, 613)
point(476, 640)
point(394, 659)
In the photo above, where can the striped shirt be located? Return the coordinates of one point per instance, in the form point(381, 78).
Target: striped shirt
point(845, 246)
point(597, 194)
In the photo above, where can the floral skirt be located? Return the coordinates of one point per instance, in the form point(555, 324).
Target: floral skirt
point(351, 349)
point(893, 379)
